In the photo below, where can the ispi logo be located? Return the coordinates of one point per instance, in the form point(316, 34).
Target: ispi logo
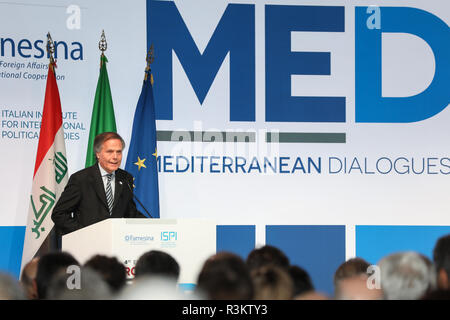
point(169, 236)
point(169, 239)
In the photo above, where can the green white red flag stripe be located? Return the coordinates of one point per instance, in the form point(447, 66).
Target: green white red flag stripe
point(50, 173)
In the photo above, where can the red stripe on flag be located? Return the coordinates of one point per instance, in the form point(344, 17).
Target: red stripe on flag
point(51, 118)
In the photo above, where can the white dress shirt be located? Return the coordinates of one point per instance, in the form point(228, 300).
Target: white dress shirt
point(105, 179)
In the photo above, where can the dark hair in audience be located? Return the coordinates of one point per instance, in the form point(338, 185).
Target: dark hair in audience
point(272, 283)
point(267, 255)
point(157, 263)
point(437, 295)
point(301, 280)
point(91, 286)
point(50, 265)
point(110, 269)
point(224, 276)
point(441, 254)
point(28, 277)
point(105, 136)
point(350, 268)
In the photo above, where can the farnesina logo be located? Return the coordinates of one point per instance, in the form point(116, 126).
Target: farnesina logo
point(26, 48)
point(235, 36)
point(140, 239)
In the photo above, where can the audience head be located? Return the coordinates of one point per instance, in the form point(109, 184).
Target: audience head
point(356, 288)
point(49, 266)
point(406, 276)
point(272, 283)
point(350, 268)
point(110, 269)
point(301, 280)
point(153, 288)
point(350, 281)
point(10, 288)
point(441, 258)
point(311, 295)
point(267, 255)
point(265, 275)
point(157, 263)
point(438, 294)
point(88, 286)
point(225, 276)
point(28, 279)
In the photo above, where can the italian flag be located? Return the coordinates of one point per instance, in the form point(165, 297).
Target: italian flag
point(50, 173)
point(103, 118)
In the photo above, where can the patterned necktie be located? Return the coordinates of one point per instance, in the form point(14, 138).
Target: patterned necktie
point(109, 195)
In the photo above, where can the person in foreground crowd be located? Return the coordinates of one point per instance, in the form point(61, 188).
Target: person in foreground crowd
point(49, 266)
point(224, 276)
point(28, 279)
point(156, 276)
point(441, 259)
point(272, 283)
point(98, 192)
point(89, 286)
point(10, 289)
point(111, 270)
point(350, 282)
point(272, 256)
point(406, 276)
point(357, 288)
point(267, 255)
point(352, 267)
point(301, 280)
point(157, 263)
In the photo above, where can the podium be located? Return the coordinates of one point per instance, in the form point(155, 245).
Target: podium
point(189, 241)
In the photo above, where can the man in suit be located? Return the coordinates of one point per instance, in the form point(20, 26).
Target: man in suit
point(98, 192)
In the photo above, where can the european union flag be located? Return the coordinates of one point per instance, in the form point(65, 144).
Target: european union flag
point(142, 153)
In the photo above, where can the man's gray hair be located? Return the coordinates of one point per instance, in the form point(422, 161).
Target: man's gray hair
point(105, 136)
point(406, 276)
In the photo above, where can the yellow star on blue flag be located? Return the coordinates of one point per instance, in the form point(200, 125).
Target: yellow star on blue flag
point(140, 163)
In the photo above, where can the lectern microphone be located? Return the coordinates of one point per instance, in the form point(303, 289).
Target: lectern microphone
point(129, 187)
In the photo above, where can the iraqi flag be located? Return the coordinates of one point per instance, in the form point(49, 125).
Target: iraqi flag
point(50, 173)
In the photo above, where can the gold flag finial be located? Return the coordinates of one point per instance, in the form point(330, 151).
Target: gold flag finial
point(102, 44)
point(51, 50)
point(150, 58)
